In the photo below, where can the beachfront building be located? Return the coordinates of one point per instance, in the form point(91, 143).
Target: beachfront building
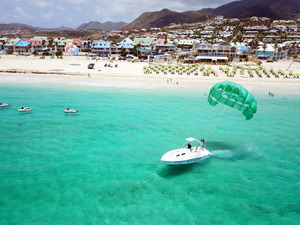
point(60, 44)
point(269, 51)
point(127, 45)
point(36, 45)
point(215, 59)
point(223, 49)
point(23, 47)
point(41, 39)
point(101, 48)
point(241, 50)
point(143, 42)
point(185, 43)
point(163, 45)
point(203, 48)
point(9, 46)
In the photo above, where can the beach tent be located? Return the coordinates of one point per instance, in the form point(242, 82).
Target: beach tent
point(72, 49)
point(212, 58)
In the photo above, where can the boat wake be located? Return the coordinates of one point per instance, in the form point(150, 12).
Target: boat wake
point(239, 153)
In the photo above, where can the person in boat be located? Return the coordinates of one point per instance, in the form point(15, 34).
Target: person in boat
point(202, 142)
point(189, 146)
point(22, 108)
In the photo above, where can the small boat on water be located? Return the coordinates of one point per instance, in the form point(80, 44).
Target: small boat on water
point(187, 154)
point(24, 109)
point(4, 104)
point(68, 110)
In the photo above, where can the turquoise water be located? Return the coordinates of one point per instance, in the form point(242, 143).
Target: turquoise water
point(103, 166)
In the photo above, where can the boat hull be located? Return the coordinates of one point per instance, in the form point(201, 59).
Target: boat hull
point(4, 105)
point(71, 111)
point(185, 156)
point(27, 109)
point(183, 162)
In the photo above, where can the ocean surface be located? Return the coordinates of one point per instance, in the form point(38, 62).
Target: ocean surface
point(102, 166)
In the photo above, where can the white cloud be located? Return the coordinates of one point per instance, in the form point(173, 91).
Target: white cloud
point(61, 8)
point(20, 14)
point(47, 16)
point(75, 2)
point(39, 3)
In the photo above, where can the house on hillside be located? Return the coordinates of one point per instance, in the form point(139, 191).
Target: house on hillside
point(101, 48)
point(41, 39)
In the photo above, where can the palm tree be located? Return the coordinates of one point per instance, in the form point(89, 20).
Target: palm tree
point(51, 44)
point(264, 48)
point(43, 43)
point(294, 57)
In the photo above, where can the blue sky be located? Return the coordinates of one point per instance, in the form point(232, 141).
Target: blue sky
point(72, 13)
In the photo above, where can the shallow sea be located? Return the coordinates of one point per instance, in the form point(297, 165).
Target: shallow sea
point(103, 165)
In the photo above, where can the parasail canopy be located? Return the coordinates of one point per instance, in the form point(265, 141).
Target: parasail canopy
point(234, 96)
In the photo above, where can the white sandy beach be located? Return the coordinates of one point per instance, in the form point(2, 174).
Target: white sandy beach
point(73, 70)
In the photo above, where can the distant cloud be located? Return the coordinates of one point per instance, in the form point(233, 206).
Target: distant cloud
point(61, 8)
point(20, 14)
point(47, 15)
point(39, 3)
point(75, 12)
point(76, 1)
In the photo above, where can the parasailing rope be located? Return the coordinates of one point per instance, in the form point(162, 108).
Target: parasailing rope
point(216, 122)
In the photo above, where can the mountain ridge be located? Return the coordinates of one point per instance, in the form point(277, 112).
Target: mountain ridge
point(106, 26)
point(274, 9)
point(165, 17)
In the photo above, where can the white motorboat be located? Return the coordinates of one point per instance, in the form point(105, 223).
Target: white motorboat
point(187, 154)
point(4, 104)
point(24, 109)
point(68, 110)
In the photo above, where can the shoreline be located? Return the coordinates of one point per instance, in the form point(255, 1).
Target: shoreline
point(72, 70)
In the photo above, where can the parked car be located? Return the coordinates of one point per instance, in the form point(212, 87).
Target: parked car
point(129, 57)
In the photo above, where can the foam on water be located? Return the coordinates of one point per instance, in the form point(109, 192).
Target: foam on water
point(103, 165)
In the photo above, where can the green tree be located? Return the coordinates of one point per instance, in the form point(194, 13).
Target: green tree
point(59, 53)
point(135, 51)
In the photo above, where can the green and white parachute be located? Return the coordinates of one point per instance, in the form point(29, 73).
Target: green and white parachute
point(235, 96)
